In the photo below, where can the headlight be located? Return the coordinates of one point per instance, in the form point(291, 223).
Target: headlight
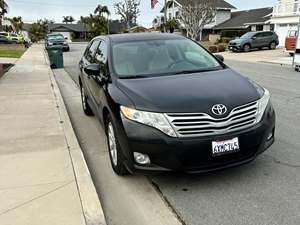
point(50, 43)
point(156, 120)
point(262, 105)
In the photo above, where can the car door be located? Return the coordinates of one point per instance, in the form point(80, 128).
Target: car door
point(257, 40)
point(98, 85)
point(88, 59)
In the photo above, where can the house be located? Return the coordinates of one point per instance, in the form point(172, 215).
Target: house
point(223, 13)
point(248, 20)
point(286, 16)
point(70, 31)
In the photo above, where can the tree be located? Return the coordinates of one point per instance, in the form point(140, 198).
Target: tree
point(17, 22)
point(38, 30)
point(103, 10)
point(194, 15)
point(97, 23)
point(129, 11)
point(3, 10)
point(100, 10)
point(68, 19)
point(172, 24)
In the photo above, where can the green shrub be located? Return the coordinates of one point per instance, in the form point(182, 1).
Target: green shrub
point(213, 49)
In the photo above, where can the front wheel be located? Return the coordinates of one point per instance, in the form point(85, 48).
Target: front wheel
point(272, 45)
point(115, 153)
point(247, 48)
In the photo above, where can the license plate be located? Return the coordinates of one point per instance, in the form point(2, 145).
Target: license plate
point(225, 147)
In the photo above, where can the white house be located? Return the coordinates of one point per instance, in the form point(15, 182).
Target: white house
point(223, 13)
point(286, 16)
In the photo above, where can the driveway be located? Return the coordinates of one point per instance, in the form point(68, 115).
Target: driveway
point(264, 192)
point(277, 56)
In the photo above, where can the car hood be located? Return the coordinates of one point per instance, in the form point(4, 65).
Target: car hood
point(238, 41)
point(190, 93)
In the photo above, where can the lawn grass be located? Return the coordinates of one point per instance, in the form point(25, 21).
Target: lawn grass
point(12, 51)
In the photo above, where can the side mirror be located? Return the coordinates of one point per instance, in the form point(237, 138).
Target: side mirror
point(220, 57)
point(253, 38)
point(92, 70)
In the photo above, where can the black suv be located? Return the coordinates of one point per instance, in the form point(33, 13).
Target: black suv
point(255, 40)
point(168, 104)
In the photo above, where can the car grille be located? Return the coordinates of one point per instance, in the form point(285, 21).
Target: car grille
point(202, 124)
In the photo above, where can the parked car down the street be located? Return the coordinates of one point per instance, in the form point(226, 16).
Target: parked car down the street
point(14, 38)
point(290, 42)
point(5, 40)
point(167, 104)
point(57, 39)
point(254, 40)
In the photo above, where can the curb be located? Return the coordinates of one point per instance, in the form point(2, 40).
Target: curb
point(91, 206)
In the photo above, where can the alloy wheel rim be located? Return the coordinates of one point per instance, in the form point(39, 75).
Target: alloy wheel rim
point(247, 48)
point(112, 144)
point(83, 98)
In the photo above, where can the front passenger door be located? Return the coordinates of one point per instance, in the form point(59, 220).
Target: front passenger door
point(98, 83)
point(88, 59)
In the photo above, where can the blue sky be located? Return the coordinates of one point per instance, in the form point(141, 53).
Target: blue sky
point(31, 10)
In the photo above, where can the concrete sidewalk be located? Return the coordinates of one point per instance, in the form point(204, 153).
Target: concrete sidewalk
point(39, 179)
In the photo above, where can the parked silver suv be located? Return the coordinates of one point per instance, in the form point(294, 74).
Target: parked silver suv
point(254, 40)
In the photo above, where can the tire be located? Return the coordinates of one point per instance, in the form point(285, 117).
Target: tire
point(272, 45)
point(246, 48)
point(85, 105)
point(114, 149)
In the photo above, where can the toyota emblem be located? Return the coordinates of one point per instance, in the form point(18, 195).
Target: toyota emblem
point(219, 109)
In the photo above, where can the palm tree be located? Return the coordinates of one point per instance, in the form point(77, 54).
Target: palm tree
point(103, 10)
point(17, 22)
point(71, 19)
point(65, 19)
point(3, 10)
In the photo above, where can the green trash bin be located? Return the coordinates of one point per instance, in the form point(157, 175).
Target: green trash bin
point(56, 58)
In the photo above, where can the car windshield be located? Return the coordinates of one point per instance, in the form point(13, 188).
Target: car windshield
point(248, 35)
point(55, 38)
point(161, 57)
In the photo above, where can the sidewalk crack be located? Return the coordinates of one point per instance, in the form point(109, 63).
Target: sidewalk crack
point(35, 198)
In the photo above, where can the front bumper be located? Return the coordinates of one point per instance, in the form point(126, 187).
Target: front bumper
point(235, 47)
point(193, 155)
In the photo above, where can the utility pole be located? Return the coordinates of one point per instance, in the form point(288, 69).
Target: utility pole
point(165, 19)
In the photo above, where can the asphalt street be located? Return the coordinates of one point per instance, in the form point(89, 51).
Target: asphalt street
point(264, 192)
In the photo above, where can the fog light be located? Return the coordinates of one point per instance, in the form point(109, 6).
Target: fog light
point(142, 159)
point(270, 136)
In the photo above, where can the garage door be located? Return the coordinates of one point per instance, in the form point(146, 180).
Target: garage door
point(282, 31)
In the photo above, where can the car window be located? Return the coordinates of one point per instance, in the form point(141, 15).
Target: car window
point(248, 35)
point(92, 51)
point(4, 34)
point(161, 57)
point(101, 57)
point(13, 35)
point(259, 35)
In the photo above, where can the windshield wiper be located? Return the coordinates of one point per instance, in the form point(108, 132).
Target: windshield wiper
point(132, 77)
point(195, 71)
